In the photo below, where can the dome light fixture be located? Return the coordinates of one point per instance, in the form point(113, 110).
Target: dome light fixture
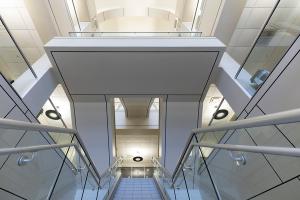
point(138, 159)
point(53, 114)
point(221, 114)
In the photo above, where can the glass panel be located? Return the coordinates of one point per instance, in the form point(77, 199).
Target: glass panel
point(286, 167)
point(198, 182)
point(91, 188)
point(239, 180)
point(70, 183)
point(210, 137)
point(34, 179)
point(105, 183)
point(181, 188)
point(164, 179)
point(274, 41)
point(135, 34)
point(109, 180)
point(80, 15)
point(202, 180)
point(12, 63)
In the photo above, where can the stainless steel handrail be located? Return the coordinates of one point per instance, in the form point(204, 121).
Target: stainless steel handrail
point(114, 165)
point(17, 150)
point(290, 116)
point(17, 46)
point(28, 126)
point(154, 160)
point(282, 151)
point(197, 32)
point(284, 117)
point(167, 33)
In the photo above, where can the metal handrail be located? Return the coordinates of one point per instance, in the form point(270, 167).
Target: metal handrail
point(134, 32)
point(98, 33)
point(28, 126)
point(284, 117)
point(282, 151)
point(17, 46)
point(290, 116)
point(114, 165)
point(17, 150)
point(154, 160)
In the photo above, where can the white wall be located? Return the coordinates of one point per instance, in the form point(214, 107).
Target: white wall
point(62, 16)
point(209, 16)
point(92, 125)
point(181, 117)
point(228, 19)
point(42, 18)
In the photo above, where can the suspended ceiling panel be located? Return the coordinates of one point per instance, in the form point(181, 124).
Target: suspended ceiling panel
point(90, 66)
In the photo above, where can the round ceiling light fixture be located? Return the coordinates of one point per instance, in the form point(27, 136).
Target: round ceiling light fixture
point(221, 114)
point(53, 114)
point(138, 159)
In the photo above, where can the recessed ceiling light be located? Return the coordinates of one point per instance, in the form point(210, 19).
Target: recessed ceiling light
point(138, 159)
point(221, 114)
point(53, 114)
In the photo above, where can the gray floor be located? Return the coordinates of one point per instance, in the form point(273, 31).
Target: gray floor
point(137, 189)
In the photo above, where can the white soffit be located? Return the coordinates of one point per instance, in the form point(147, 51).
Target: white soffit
point(90, 66)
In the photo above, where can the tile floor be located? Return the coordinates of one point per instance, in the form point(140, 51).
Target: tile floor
point(137, 189)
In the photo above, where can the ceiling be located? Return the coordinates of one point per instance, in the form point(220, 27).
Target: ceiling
point(137, 107)
point(137, 142)
point(154, 66)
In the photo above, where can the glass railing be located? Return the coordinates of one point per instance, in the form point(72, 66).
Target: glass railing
point(257, 155)
point(53, 173)
point(13, 62)
point(164, 178)
point(109, 180)
point(44, 173)
point(135, 34)
point(77, 182)
point(279, 33)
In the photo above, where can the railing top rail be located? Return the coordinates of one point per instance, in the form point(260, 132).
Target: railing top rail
point(281, 151)
point(133, 32)
point(17, 150)
point(114, 165)
point(290, 116)
point(28, 126)
point(164, 169)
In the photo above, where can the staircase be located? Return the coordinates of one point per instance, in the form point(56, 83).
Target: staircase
point(137, 188)
point(60, 170)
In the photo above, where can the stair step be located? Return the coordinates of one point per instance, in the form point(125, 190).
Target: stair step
point(137, 189)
